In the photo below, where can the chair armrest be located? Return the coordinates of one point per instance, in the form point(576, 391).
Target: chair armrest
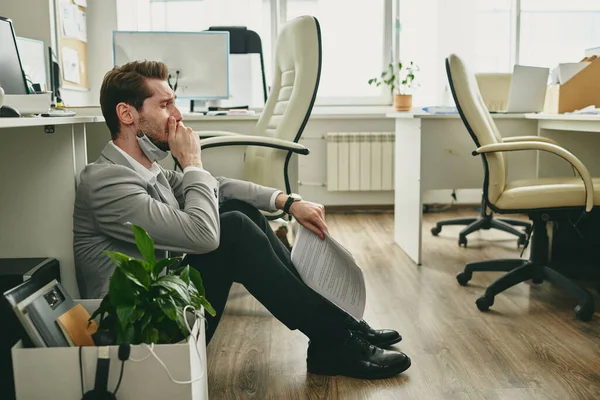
point(550, 148)
point(540, 139)
point(248, 140)
point(208, 134)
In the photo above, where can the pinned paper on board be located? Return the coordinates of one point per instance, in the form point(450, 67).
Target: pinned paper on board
point(70, 62)
point(73, 21)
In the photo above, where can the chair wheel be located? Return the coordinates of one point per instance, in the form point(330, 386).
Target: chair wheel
point(462, 241)
point(463, 278)
point(436, 230)
point(584, 313)
point(484, 303)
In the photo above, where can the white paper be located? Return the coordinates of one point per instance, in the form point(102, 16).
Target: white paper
point(82, 3)
point(70, 61)
point(68, 14)
point(80, 21)
point(330, 270)
point(568, 70)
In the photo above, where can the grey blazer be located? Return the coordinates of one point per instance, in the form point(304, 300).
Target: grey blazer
point(180, 213)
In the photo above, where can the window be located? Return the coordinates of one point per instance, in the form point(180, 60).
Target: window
point(492, 36)
point(356, 41)
point(555, 31)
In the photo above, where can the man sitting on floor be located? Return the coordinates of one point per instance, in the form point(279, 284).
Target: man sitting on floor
point(215, 221)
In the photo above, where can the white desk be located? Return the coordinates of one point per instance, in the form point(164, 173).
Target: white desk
point(434, 152)
point(38, 183)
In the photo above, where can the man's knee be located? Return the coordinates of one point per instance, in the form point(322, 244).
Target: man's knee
point(248, 209)
point(234, 220)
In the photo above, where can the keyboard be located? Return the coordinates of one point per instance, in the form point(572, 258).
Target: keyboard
point(59, 112)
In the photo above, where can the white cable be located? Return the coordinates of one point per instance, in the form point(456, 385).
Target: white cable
point(151, 352)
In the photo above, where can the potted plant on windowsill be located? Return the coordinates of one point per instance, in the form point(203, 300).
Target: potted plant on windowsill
point(400, 79)
point(145, 305)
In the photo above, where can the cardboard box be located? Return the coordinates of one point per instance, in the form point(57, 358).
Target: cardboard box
point(582, 90)
point(54, 373)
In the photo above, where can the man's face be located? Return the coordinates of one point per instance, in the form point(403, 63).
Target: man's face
point(153, 118)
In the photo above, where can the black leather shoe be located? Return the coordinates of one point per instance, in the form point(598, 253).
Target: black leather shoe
point(355, 358)
point(379, 337)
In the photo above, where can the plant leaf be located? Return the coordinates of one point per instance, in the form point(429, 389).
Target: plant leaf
point(196, 279)
point(120, 290)
point(174, 284)
point(124, 313)
point(136, 272)
point(146, 319)
point(184, 274)
point(145, 244)
point(118, 258)
point(207, 306)
point(162, 264)
point(150, 335)
point(168, 307)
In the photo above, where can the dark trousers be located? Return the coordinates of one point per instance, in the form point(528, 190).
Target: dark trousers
point(251, 254)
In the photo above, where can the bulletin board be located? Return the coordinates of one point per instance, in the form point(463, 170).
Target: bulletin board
point(72, 42)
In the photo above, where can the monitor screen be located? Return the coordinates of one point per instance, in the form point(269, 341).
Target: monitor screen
point(12, 79)
point(33, 59)
point(198, 61)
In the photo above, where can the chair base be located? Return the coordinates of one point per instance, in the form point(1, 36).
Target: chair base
point(536, 269)
point(485, 221)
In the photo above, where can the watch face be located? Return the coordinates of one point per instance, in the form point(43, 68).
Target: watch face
point(296, 197)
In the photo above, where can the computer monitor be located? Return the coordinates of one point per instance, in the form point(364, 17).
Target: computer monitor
point(198, 61)
point(33, 59)
point(12, 78)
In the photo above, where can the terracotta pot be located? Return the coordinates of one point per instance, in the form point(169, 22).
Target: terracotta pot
point(403, 102)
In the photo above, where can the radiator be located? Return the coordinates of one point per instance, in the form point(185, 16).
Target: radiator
point(360, 161)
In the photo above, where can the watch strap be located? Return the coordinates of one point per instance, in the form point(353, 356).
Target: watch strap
point(288, 204)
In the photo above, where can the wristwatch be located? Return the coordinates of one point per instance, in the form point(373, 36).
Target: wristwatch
point(291, 199)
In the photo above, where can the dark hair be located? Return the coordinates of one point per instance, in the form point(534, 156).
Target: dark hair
point(127, 84)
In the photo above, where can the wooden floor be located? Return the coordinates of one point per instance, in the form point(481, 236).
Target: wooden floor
point(528, 346)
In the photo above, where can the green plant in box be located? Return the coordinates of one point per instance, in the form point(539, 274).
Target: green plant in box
point(145, 306)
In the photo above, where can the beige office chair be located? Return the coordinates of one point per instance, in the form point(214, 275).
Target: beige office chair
point(543, 199)
point(494, 89)
point(268, 159)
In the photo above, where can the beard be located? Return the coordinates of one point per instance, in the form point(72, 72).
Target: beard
point(153, 133)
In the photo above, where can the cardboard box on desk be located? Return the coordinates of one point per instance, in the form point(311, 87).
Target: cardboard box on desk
point(54, 373)
point(582, 90)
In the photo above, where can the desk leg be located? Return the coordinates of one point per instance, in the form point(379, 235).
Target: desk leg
point(78, 137)
point(408, 201)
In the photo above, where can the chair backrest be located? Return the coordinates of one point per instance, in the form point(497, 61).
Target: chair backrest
point(495, 89)
point(296, 74)
point(479, 123)
point(244, 41)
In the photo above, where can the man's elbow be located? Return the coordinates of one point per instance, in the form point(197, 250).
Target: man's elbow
point(213, 244)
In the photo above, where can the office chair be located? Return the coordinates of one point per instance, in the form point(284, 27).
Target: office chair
point(543, 199)
point(244, 41)
point(494, 89)
point(296, 73)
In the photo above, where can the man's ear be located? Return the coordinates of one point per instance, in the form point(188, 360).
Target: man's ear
point(125, 114)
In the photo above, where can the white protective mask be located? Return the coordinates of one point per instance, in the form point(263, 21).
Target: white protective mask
point(150, 150)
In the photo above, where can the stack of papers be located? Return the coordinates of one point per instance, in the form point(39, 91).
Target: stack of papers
point(330, 270)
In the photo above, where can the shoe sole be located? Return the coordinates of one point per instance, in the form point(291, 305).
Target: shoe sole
point(391, 342)
point(335, 371)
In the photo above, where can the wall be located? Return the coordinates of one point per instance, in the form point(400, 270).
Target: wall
point(101, 21)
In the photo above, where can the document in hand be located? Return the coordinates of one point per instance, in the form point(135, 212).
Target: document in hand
point(330, 270)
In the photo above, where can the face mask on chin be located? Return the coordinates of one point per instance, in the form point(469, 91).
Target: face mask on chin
point(150, 149)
